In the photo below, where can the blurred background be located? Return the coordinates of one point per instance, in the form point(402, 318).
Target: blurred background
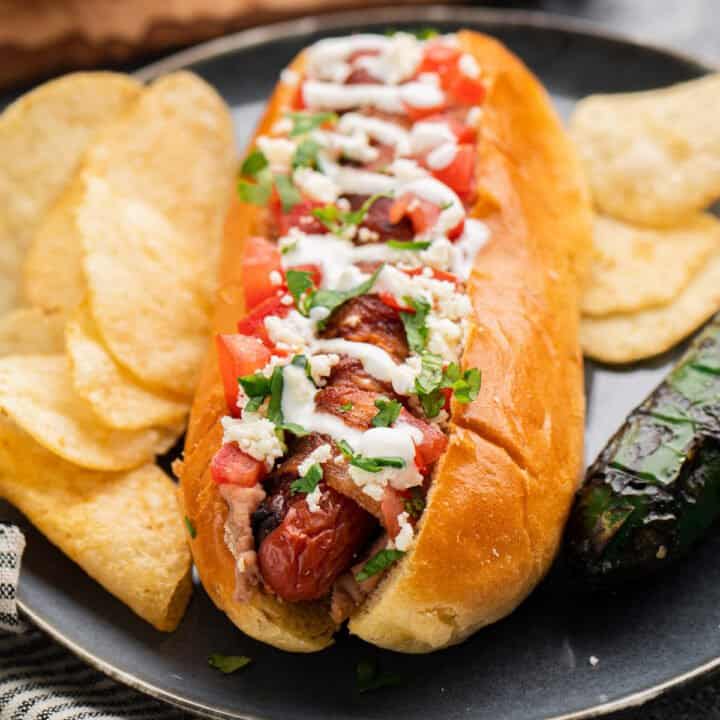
point(42, 38)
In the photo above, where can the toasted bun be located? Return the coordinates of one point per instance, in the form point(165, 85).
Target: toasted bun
point(501, 492)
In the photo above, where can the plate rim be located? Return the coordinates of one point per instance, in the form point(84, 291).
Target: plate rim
point(288, 29)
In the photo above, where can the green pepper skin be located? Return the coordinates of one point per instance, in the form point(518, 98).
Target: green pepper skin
point(655, 488)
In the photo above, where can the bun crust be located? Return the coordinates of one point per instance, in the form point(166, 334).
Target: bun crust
point(501, 492)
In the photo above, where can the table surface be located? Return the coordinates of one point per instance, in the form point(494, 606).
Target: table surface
point(690, 26)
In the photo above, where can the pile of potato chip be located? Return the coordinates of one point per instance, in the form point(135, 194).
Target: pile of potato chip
point(652, 160)
point(113, 199)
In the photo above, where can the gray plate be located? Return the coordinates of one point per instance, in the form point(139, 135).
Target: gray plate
point(535, 663)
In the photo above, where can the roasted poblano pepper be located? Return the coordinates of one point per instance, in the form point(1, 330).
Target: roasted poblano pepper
point(655, 488)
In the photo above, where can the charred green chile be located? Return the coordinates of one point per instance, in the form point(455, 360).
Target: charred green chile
point(655, 488)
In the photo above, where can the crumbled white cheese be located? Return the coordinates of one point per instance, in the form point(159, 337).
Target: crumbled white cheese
point(366, 235)
point(439, 255)
point(355, 146)
point(321, 366)
point(318, 456)
point(315, 185)
point(275, 278)
point(444, 337)
point(396, 62)
point(429, 78)
point(474, 116)
point(278, 151)
point(254, 435)
point(468, 66)
point(405, 537)
point(289, 77)
point(404, 376)
point(313, 499)
point(287, 300)
point(384, 131)
point(426, 135)
point(293, 332)
point(282, 126)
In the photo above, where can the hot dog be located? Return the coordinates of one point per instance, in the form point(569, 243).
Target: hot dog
point(411, 218)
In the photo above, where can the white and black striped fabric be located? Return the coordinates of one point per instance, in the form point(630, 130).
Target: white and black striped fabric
point(39, 680)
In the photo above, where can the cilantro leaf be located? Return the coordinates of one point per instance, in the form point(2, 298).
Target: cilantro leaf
point(257, 388)
point(376, 464)
point(369, 678)
point(336, 220)
point(192, 532)
point(346, 407)
point(254, 163)
point(306, 154)
point(345, 449)
point(254, 193)
point(304, 122)
point(332, 299)
point(294, 428)
point(465, 386)
point(289, 194)
point(377, 563)
point(276, 389)
point(299, 282)
point(388, 411)
point(415, 328)
point(308, 482)
point(409, 244)
point(428, 384)
point(228, 663)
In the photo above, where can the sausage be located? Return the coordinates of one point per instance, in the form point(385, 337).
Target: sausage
point(377, 221)
point(368, 319)
point(306, 553)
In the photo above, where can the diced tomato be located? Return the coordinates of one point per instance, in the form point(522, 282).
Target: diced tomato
point(437, 274)
point(464, 89)
point(298, 101)
point(422, 113)
point(422, 213)
point(392, 504)
point(460, 173)
point(447, 392)
point(391, 301)
point(315, 272)
point(433, 443)
point(464, 133)
point(260, 259)
point(439, 58)
point(231, 465)
point(299, 216)
point(254, 322)
point(238, 355)
point(457, 231)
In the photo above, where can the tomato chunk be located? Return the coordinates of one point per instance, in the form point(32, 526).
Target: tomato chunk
point(231, 465)
point(466, 90)
point(464, 133)
point(433, 443)
point(437, 274)
point(439, 58)
point(261, 258)
point(422, 213)
point(254, 322)
point(238, 355)
point(300, 216)
point(460, 173)
point(391, 301)
point(393, 503)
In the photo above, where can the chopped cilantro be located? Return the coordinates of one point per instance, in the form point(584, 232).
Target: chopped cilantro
point(332, 299)
point(228, 663)
point(388, 411)
point(465, 386)
point(415, 504)
point(289, 194)
point(276, 388)
point(192, 532)
point(299, 282)
point(409, 244)
point(257, 388)
point(336, 220)
point(369, 464)
point(415, 328)
point(304, 122)
point(306, 154)
point(254, 163)
point(377, 563)
point(254, 193)
point(428, 384)
point(308, 482)
point(370, 678)
point(346, 407)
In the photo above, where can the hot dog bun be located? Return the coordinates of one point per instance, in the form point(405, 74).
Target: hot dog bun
point(501, 492)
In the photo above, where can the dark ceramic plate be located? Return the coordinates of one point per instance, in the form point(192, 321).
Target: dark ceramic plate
point(534, 664)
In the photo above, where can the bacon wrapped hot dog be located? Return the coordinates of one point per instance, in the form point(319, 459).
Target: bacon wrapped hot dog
point(410, 219)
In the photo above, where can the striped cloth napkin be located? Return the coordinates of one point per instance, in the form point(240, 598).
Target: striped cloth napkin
point(40, 680)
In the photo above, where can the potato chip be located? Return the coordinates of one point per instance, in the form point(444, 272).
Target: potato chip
point(123, 529)
point(53, 275)
point(626, 337)
point(636, 268)
point(652, 157)
point(175, 151)
point(36, 392)
point(115, 396)
point(43, 135)
point(146, 296)
point(30, 331)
